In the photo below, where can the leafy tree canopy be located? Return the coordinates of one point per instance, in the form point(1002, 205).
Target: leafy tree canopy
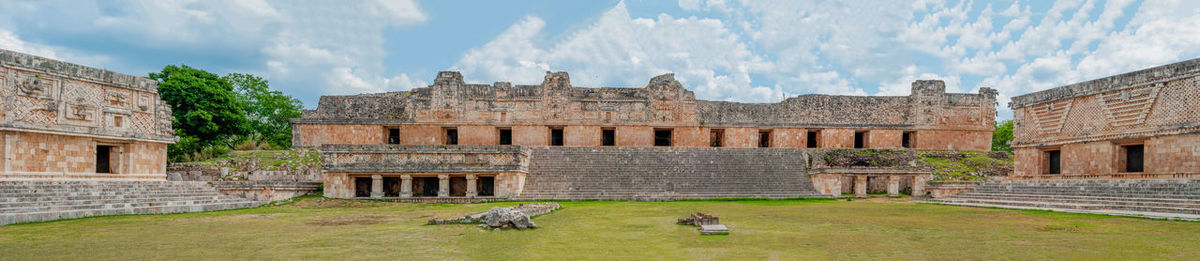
point(267, 110)
point(1002, 136)
point(205, 106)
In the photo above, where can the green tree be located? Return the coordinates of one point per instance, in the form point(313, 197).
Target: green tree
point(1002, 136)
point(207, 110)
point(267, 110)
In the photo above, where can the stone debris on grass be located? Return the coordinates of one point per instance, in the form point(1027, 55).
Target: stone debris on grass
point(709, 224)
point(511, 217)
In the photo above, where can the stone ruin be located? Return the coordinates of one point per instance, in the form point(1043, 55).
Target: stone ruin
point(496, 218)
point(709, 224)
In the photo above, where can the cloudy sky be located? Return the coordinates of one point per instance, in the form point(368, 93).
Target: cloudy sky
point(752, 51)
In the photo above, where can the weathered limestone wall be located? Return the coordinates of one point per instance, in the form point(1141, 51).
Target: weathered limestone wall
point(1089, 122)
point(635, 136)
point(954, 140)
point(531, 135)
point(836, 138)
point(582, 136)
point(35, 155)
point(478, 135)
point(885, 139)
point(314, 134)
point(1173, 154)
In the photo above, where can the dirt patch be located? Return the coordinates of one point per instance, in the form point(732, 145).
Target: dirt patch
point(332, 203)
point(348, 220)
point(260, 216)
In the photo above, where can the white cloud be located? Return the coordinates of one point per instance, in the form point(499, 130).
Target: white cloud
point(621, 50)
point(334, 47)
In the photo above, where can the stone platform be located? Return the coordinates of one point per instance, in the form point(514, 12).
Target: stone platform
point(24, 201)
point(1149, 198)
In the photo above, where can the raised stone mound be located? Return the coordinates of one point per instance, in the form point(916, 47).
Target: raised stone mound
point(1151, 198)
point(512, 217)
point(44, 200)
point(622, 173)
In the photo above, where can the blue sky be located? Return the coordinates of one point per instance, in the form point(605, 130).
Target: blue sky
point(748, 51)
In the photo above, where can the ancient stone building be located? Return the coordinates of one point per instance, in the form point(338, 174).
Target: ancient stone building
point(62, 120)
point(1142, 124)
point(451, 138)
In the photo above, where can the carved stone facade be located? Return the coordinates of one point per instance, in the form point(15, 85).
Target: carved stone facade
point(384, 133)
point(1142, 124)
point(534, 115)
point(58, 120)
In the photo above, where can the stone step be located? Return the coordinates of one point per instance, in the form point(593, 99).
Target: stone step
point(52, 198)
point(1111, 203)
point(156, 203)
point(1144, 214)
point(12, 218)
point(122, 199)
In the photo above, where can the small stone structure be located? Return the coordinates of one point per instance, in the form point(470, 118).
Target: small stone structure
point(512, 217)
point(62, 120)
point(709, 225)
point(1136, 125)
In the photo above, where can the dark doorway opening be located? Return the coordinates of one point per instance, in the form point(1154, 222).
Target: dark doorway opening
point(104, 159)
point(1054, 158)
point(1134, 157)
point(486, 186)
point(860, 140)
point(391, 187)
point(716, 137)
point(362, 187)
point(906, 140)
point(662, 138)
point(609, 137)
point(505, 136)
point(426, 187)
point(556, 137)
point(451, 136)
point(393, 136)
point(764, 139)
point(812, 139)
point(458, 186)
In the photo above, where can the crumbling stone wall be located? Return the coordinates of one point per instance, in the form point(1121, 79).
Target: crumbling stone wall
point(54, 115)
point(1089, 122)
point(941, 121)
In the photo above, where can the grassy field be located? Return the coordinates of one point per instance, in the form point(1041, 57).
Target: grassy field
point(779, 230)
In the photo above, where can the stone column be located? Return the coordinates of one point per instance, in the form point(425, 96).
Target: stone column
point(893, 186)
point(443, 185)
point(860, 185)
point(918, 186)
point(471, 186)
point(376, 186)
point(406, 186)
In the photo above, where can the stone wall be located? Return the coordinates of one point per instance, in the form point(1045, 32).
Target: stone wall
point(54, 115)
point(343, 163)
point(1089, 122)
point(477, 111)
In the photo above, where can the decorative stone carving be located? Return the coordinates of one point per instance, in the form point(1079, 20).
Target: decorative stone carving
point(32, 86)
point(1129, 106)
point(80, 112)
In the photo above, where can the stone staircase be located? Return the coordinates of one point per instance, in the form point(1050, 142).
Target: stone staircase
point(1152, 198)
point(666, 173)
point(43, 200)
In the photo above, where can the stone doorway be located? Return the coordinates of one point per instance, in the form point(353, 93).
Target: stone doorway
point(425, 187)
point(458, 186)
point(391, 187)
point(485, 186)
point(362, 187)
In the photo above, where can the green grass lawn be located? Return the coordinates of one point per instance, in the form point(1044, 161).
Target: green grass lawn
point(779, 230)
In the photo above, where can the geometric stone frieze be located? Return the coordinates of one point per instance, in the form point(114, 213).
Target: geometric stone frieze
point(1051, 116)
point(1129, 106)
